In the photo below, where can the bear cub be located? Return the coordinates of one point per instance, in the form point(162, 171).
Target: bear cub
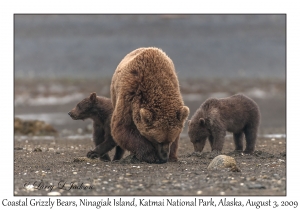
point(237, 114)
point(99, 109)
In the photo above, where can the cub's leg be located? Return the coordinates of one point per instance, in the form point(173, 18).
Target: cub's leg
point(238, 141)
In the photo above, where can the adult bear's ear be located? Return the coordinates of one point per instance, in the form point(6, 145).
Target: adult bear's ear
point(146, 116)
point(183, 113)
point(202, 121)
point(93, 97)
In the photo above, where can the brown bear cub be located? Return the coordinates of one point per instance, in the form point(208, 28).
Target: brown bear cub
point(237, 114)
point(149, 113)
point(99, 109)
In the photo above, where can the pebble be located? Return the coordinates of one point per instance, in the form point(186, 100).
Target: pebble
point(199, 192)
point(29, 187)
point(265, 177)
point(255, 186)
point(222, 161)
point(253, 178)
point(53, 193)
point(37, 150)
point(276, 176)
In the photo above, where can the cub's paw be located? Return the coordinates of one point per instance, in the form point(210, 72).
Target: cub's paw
point(248, 152)
point(92, 154)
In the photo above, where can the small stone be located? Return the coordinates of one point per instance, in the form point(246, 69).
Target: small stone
point(222, 193)
point(37, 150)
point(223, 161)
point(54, 193)
point(255, 186)
point(29, 187)
point(74, 172)
point(199, 192)
point(265, 177)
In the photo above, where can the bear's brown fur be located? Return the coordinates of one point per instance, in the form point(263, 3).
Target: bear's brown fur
point(99, 109)
point(237, 114)
point(149, 112)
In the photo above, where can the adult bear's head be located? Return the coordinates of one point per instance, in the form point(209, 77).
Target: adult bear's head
point(161, 129)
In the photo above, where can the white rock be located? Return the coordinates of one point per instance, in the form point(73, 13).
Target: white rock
point(54, 193)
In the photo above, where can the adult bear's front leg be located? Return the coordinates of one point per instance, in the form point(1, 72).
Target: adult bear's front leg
point(173, 151)
point(128, 137)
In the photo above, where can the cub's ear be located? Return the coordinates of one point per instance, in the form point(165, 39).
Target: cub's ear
point(183, 113)
point(189, 122)
point(93, 97)
point(146, 116)
point(202, 121)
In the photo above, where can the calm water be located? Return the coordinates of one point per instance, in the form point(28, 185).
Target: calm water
point(199, 45)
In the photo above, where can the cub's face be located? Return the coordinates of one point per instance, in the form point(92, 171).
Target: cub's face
point(198, 133)
point(84, 109)
point(159, 131)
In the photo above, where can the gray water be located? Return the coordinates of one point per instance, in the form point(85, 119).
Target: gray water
point(199, 45)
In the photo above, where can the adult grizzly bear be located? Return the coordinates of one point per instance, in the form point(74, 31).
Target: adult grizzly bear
point(149, 112)
point(99, 109)
point(237, 114)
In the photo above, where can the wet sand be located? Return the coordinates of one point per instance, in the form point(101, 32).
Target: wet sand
point(44, 166)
